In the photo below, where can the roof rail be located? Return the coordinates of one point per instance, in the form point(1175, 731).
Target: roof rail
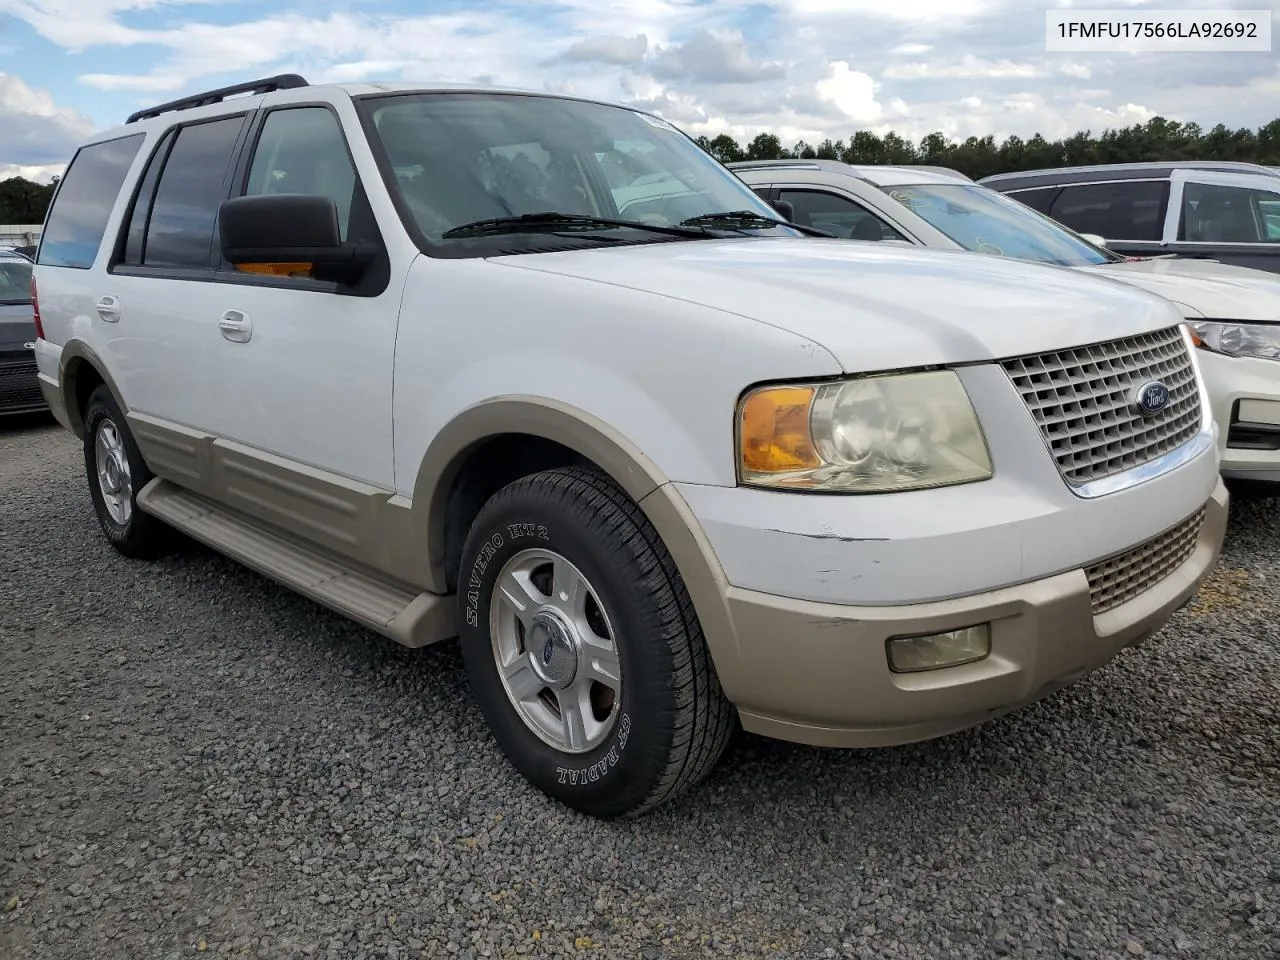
point(283, 81)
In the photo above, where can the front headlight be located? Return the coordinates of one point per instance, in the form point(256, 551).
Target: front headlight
point(876, 434)
point(1260, 340)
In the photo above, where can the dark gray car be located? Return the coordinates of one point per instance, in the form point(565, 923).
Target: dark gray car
point(19, 389)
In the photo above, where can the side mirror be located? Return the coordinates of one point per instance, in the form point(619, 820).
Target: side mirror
point(285, 234)
point(1096, 240)
point(785, 209)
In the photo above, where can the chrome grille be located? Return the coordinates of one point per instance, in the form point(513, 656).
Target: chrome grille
point(1081, 399)
point(1121, 578)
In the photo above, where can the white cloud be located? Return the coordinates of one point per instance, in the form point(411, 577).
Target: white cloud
point(852, 92)
point(820, 68)
point(39, 135)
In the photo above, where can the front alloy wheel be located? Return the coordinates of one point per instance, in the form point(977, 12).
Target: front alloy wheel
point(583, 648)
point(554, 649)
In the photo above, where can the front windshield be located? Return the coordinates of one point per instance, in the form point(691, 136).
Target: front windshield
point(15, 281)
point(459, 158)
point(985, 221)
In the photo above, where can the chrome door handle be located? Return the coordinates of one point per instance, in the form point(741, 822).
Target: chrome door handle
point(235, 326)
point(108, 309)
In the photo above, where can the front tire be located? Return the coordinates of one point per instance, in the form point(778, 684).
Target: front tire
point(583, 648)
point(116, 472)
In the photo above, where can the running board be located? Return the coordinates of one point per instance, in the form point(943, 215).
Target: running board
point(394, 609)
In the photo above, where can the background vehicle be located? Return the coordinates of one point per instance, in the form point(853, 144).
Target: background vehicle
point(1233, 309)
point(659, 468)
point(19, 388)
point(1221, 211)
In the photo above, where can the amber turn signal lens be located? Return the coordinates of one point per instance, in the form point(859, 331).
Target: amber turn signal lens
point(275, 269)
point(1195, 337)
point(774, 430)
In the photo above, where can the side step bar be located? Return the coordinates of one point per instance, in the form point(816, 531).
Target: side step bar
point(396, 610)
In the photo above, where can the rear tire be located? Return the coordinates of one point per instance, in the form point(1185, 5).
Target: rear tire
point(607, 699)
point(116, 472)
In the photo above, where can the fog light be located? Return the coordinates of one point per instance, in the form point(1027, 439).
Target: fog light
point(938, 650)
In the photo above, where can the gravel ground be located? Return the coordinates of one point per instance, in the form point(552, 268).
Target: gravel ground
point(196, 761)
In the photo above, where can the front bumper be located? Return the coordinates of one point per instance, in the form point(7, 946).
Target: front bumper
point(818, 672)
point(1244, 394)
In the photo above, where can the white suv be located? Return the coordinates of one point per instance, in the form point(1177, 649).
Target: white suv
point(435, 359)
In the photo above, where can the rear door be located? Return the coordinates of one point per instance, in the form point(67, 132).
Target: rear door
point(1230, 217)
point(154, 299)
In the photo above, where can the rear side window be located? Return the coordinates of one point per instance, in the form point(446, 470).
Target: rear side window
point(84, 201)
point(192, 183)
point(1118, 210)
point(1219, 214)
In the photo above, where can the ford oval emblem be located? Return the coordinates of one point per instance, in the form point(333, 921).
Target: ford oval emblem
point(1150, 398)
point(30, 345)
point(548, 651)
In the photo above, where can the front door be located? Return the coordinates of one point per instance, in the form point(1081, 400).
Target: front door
point(303, 369)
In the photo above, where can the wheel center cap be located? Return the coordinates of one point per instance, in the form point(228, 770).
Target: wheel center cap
point(550, 642)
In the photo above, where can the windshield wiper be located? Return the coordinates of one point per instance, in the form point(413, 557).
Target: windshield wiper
point(552, 221)
point(746, 220)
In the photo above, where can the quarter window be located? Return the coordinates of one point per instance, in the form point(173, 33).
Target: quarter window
point(1117, 210)
point(1219, 214)
point(838, 215)
point(184, 213)
point(84, 201)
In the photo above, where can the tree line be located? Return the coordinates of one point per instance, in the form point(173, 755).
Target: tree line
point(1157, 139)
point(22, 201)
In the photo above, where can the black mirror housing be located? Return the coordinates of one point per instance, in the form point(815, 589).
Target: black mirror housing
point(289, 229)
point(785, 210)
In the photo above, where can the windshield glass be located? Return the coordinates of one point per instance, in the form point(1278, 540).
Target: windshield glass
point(15, 281)
point(459, 158)
point(985, 221)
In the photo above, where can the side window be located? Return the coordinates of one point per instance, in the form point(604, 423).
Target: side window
point(1118, 210)
point(302, 150)
point(1037, 198)
point(838, 215)
point(1218, 214)
point(84, 201)
point(184, 213)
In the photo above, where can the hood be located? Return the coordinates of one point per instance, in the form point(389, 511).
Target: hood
point(17, 326)
point(1216, 291)
point(877, 306)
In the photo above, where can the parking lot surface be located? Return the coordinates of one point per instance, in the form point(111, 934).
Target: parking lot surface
point(194, 761)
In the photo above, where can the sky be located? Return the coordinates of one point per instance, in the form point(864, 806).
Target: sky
point(807, 69)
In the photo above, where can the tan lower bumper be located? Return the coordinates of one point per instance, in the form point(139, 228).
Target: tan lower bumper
point(53, 397)
point(818, 673)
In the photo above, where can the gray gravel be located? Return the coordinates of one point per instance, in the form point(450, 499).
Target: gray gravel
point(196, 761)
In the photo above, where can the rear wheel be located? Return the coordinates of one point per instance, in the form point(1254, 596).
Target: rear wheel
point(116, 472)
point(583, 648)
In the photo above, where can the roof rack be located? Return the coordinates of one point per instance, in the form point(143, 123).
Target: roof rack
point(283, 81)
